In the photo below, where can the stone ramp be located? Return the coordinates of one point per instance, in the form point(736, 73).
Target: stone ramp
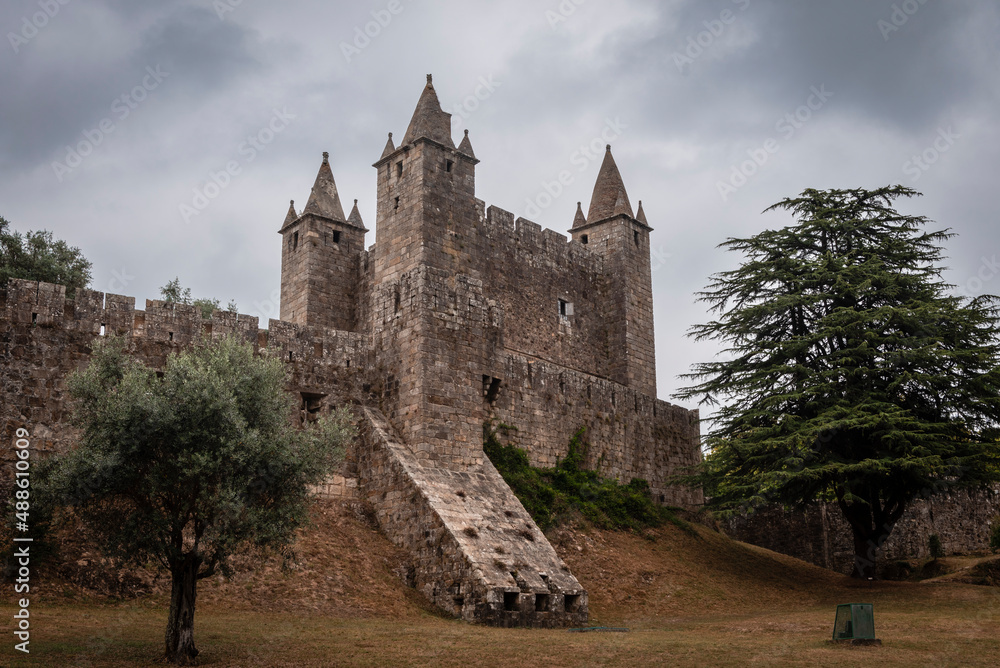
point(477, 553)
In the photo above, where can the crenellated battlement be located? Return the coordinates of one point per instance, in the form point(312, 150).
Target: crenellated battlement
point(96, 314)
point(537, 246)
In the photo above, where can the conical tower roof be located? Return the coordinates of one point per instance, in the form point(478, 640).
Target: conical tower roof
point(355, 217)
point(640, 215)
point(609, 198)
point(390, 148)
point(292, 216)
point(580, 220)
point(324, 200)
point(466, 146)
point(429, 120)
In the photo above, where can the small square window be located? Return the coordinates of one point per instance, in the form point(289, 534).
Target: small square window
point(635, 237)
point(399, 168)
point(583, 238)
point(565, 308)
point(448, 165)
point(395, 204)
point(336, 236)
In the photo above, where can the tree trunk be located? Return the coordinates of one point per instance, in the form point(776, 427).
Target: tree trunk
point(865, 553)
point(871, 523)
point(180, 624)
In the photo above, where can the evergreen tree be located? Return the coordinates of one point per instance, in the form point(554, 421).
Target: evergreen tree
point(851, 373)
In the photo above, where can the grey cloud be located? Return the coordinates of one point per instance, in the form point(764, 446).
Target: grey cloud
point(60, 94)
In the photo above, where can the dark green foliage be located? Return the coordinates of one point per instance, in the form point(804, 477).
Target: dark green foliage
point(851, 372)
point(37, 256)
point(995, 535)
point(185, 467)
point(173, 293)
point(934, 546)
point(551, 495)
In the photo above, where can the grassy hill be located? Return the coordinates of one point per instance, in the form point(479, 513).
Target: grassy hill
point(698, 600)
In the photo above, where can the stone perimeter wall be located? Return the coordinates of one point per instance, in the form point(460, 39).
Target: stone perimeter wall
point(44, 337)
point(820, 535)
point(629, 434)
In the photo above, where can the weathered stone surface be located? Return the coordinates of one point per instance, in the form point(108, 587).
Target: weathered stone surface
point(478, 554)
point(820, 535)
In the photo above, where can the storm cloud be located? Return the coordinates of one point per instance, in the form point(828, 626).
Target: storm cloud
point(716, 109)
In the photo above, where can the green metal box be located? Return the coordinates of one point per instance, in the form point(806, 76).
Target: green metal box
point(855, 621)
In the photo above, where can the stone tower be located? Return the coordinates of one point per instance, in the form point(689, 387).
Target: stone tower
point(320, 254)
point(611, 229)
point(426, 299)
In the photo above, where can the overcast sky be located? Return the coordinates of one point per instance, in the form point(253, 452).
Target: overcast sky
point(161, 94)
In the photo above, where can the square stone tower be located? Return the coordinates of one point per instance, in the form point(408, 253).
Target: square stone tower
point(320, 255)
point(622, 238)
point(428, 312)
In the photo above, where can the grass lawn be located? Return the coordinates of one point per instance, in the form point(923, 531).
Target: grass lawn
point(958, 626)
point(699, 600)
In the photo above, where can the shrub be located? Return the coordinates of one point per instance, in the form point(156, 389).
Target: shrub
point(995, 535)
point(550, 495)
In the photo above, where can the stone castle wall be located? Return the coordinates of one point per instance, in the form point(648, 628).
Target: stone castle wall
point(629, 434)
point(44, 337)
point(529, 270)
point(820, 535)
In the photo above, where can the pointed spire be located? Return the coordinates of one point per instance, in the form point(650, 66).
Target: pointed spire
point(390, 148)
point(292, 216)
point(609, 198)
point(355, 217)
point(429, 120)
point(466, 146)
point(580, 219)
point(640, 215)
point(324, 199)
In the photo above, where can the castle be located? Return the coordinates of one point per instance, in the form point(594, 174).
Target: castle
point(457, 315)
